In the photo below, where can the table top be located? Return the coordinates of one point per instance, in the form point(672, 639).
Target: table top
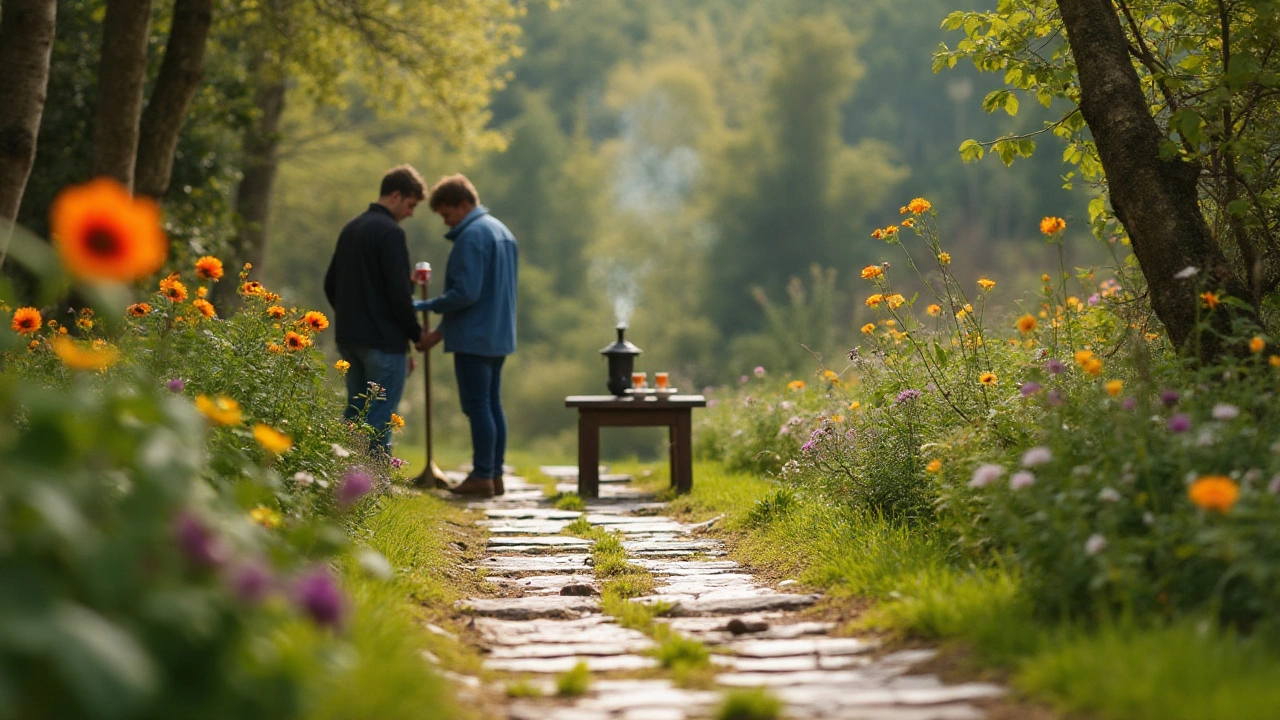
point(630, 402)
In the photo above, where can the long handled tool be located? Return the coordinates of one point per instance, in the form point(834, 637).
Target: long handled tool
point(431, 475)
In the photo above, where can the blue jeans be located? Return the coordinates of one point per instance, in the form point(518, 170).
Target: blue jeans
point(479, 389)
point(389, 371)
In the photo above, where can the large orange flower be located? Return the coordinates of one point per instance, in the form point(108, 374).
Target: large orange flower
point(139, 309)
point(205, 307)
point(26, 320)
point(172, 288)
point(1214, 492)
point(1052, 225)
point(81, 358)
point(209, 268)
point(104, 234)
point(295, 342)
point(315, 320)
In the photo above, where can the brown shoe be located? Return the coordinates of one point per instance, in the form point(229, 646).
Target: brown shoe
point(474, 485)
point(497, 486)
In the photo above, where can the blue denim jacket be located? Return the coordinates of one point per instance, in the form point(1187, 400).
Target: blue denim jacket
point(479, 300)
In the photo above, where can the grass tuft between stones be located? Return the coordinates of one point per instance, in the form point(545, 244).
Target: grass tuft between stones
point(754, 704)
point(574, 682)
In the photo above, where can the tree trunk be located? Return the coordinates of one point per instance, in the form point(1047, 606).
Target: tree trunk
point(26, 41)
point(122, 72)
point(180, 75)
point(253, 196)
point(1155, 199)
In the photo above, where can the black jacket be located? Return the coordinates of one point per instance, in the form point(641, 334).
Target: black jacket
point(369, 285)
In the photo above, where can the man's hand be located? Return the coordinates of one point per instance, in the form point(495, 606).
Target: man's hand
point(429, 339)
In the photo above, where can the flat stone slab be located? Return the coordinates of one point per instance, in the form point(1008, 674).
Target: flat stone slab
point(541, 513)
point(590, 629)
point(564, 664)
point(526, 710)
point(747, 604)
point(686, 567)
point(528, 608)
point(801, 646)
point(541, 540)
point(619, 697)
point(561, 563)
point(545, 584)
point(524, 527)
point(560, 649)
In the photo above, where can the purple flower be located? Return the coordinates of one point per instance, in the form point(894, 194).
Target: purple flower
point(907, 396)
point(355, 485)
point(1036, 456)
point(1029, 388)
point(1179, 423)
point(1129, 403)
point(1055, 397)
point(814, 438)
point(1055, 366)
point(176, 385)
point(1022, 479)
point(742, 380)
point(759, 371)
point(196, 542)
point(250, 582)
point(1170, 397)
point(398, 463)
point(319, 597)
point(1094, 299)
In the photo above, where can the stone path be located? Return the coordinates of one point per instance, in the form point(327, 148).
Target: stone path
point(552, 621)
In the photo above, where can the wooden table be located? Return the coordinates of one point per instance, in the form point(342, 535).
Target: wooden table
point(597, 411)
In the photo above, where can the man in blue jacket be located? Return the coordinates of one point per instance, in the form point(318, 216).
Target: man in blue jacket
point(479, 322)
point(369, 286)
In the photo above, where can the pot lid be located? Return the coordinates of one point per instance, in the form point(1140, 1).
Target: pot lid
point(621, 347)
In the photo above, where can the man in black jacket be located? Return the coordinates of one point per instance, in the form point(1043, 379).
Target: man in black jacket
point(369, 286)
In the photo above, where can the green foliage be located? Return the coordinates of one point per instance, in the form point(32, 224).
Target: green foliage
point(523, 689)
point(574, 682)
point(567, 501)
point(753, 704)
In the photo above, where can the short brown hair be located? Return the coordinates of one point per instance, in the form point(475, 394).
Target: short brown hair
point(453, 190)
point(404, 180)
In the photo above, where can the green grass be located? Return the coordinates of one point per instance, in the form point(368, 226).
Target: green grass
point(523, 689)
point(754, 704)
point(575, 682)
point(568, 501)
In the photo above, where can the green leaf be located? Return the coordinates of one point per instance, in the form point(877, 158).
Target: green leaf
point(971, 150)
point(1238, 207)
point(1011, 104)
point(103, 665)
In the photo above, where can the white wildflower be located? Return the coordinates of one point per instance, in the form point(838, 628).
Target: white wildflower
point(1186, 272)
point(1273, 487)
point(985, 475)
point(1022, 479)
point(1036, 456)
point(1109, 495)
point(1225, 411)
point(303, 478)
point(339, 451)
point(1095, 544)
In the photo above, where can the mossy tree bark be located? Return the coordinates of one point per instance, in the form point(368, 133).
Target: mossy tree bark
point(26, 42)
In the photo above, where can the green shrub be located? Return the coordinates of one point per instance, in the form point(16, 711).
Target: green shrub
point(574, 682)
point(753, 704)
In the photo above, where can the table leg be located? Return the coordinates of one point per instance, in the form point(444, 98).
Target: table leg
point(684, 452)
point(673, 452)
point(588, 455)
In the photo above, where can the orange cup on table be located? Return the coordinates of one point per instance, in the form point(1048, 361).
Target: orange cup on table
point(639, 380)
point(661, 380)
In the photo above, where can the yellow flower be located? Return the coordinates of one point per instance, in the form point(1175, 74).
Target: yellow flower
point(266, 517)
point(895, 301)
point(795, 385)
point(1214, 492)
point(80, 358)
point(1257, 345)
point(875, 300)
point(1026, 324)
point(855, 405)
point(295, 342)
point(831, 377)
point(1093, 366)
point(315, 320)
point(944, 258)
point(837, 418)
point(919, 206)
point(1274, 360)
point(1052, 225)
point(209, 268)
point(26, 320)
point(274, 348)
point(342, 366)
point(222, 410)
point(987, 378)
point(202, 292)
point(986, 284)
point(877, 234)
point(172, 288)
point(84, 323)
point(397, 422)
point(960, 315)
point(1210, 299)
point(891, 230)
point(205, 307)
point(871, 272)
point(868, 328)
point(909, 222)
point(1044, 278)
point(252, 287)
point(1114, 387)
point(934, 309)
point(934, 466)
point(271, 439)
point(903, 210)
point(275, 311)
point(102, 233)
point(1083, 356)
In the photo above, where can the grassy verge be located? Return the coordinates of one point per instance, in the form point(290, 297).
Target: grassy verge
point(918, 589)
point(425, 541)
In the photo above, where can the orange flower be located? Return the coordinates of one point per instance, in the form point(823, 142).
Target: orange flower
point(26, 320)
point(1026, 324)
point(80, 358)
point(919, 206)
point(253, 287)
point(795, 385)
point(397, 422)
point(871, 272)
point(944, 258)
point(875, 300)
point(877, 234)
point(202, 292)
point(868, 328)
point(172, 288)
point(1214, 492)
point(1274, 360)
point(895, 301)
point(275, 311)
point(891, 230)
point(987, 378)
point(139, 309)
point(205, 307)
point(315, 320)
point(104, 234)
point(271, 439)
point(295, 342)
point(909, 222)
point(342, 366)
point(221, 410)
point(1210, 299)
point(934, 466)
point(986, 284)
point(209, 268)
point(934, 309)
point(1114, 387)
point(1257, 345)
point(1093, 366)
point(1052, 225)
point(274, 348)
